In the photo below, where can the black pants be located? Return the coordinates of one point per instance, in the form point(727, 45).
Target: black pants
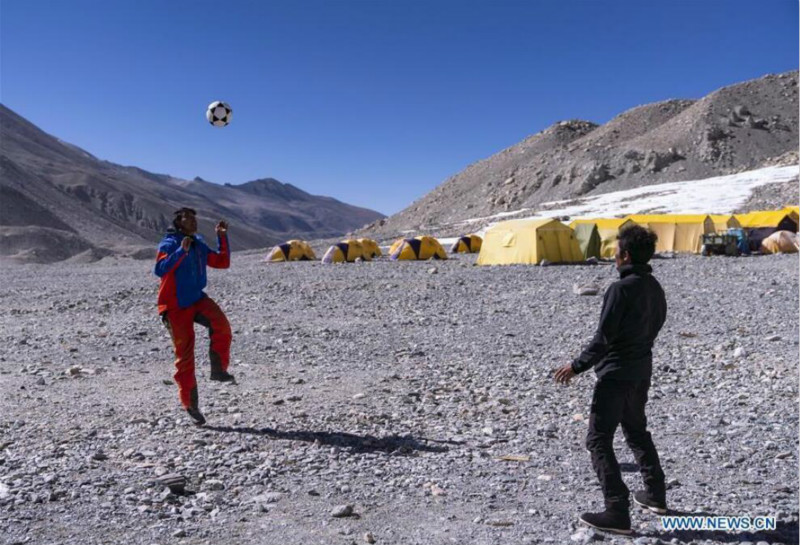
point(622, 402)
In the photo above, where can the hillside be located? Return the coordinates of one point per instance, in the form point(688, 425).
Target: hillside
point(59, 201)
point(736, 128)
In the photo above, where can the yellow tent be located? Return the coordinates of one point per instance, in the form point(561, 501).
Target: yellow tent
point(292, 250)
point(608, 229)
point(468, 244)
point(395, 245)
point(677, 233)
point(345, 251)
point(417, 248)
point(529, 241)
point(370, 248)
point(723, 222)
point(782, 220)
point(780, 242)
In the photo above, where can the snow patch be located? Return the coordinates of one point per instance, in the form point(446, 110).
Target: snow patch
point(717, 195)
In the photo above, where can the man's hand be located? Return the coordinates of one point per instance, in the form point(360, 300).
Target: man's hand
point(186, 243)
point(222, 227)
point(564, 374)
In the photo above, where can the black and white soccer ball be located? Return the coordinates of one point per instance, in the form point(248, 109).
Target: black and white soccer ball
point(219, 113)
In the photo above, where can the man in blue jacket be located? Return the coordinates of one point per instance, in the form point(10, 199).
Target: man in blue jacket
point(634, 309)
point(181, 265)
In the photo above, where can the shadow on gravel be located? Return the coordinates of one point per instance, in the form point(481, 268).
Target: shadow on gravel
point(785, 532)
point(393, 444)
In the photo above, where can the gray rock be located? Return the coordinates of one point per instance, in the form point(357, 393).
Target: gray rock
point(588, 289)
point(268, 497)
point(175, 482)
point(342, 511)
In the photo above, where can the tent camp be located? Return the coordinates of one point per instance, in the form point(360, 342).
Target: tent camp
point(677, 233)
point(588, 239)
point(723, 222)
point(370, 248)
point(417, 248)
point(607, 229)
point(529, 241)
point(780, 242)
point(468, 244)
point(291, 250)
point(346, 251)
point(759, 225)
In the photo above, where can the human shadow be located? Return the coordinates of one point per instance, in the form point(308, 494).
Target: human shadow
point(784, 532)
point(391, 444)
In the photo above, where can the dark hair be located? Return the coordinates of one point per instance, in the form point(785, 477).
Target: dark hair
point(176, 221)
point(639, 242)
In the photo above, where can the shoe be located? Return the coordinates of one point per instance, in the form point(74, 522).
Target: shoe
point(222, 376)
point(608, 521)
point(642, 499)
point(196, 415)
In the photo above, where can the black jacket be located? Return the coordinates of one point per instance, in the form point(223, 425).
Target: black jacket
point(634, 309)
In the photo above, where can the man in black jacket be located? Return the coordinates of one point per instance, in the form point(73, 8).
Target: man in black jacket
point(634, 309)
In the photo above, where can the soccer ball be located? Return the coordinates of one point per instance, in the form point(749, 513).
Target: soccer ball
point(219, 113)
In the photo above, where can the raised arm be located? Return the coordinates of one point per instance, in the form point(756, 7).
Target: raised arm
point(221, 259)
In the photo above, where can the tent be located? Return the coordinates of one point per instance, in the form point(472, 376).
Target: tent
point(468, 244)
point(761, 224)
point(417, 248)
point(370, 248)
point(346, 251)
point(529, 241)
point(677, 233)
point(780, 220)
point(291, 250)
point(780, 242)
point(607, 229)
point(723, 222)
point(588, 239)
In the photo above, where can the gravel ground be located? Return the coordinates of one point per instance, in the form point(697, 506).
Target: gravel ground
point(375, 402)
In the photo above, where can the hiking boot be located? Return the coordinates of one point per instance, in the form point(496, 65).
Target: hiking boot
point(641, 499)
point(222, 376)
point(196, 415)
point(615, 522)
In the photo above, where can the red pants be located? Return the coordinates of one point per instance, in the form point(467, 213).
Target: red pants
point(180, 323)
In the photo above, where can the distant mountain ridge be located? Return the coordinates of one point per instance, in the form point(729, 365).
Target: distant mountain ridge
point(739, 127)
point(59, 201)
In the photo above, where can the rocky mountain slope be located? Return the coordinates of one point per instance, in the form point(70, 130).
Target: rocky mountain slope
point(735, 128)
point(57, 201)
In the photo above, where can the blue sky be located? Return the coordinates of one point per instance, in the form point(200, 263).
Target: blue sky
point(372, 102)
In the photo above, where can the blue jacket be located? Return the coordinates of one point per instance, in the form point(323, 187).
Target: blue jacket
point(183, 274)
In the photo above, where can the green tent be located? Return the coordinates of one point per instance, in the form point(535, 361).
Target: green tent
point(588, 239)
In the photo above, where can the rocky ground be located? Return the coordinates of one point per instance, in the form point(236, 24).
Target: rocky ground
point(772, 197)
point(384, 402)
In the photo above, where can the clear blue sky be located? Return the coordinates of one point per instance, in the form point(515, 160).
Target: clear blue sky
point(372, 102)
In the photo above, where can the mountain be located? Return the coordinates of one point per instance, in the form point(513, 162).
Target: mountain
point(58, 201)
point(735, 128)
